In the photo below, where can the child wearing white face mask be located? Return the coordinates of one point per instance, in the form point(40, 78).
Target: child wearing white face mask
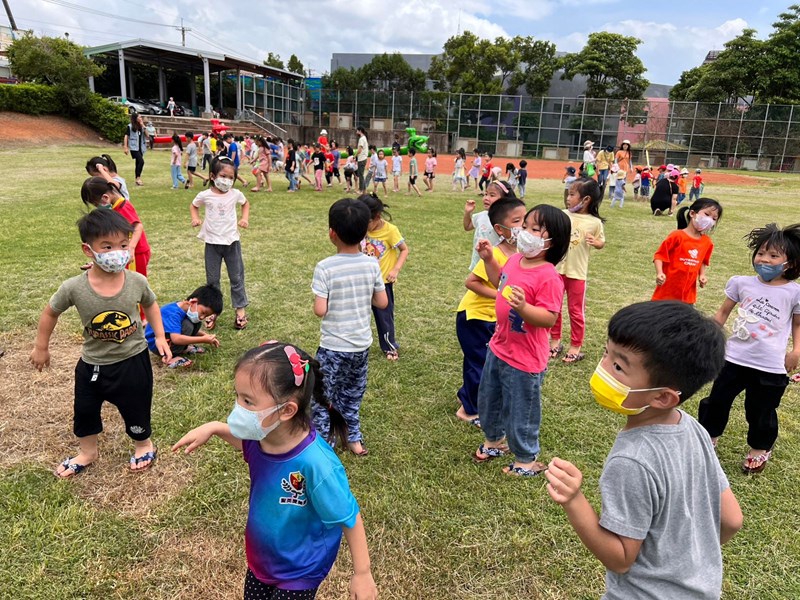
point(300, 499)
point(220, 233)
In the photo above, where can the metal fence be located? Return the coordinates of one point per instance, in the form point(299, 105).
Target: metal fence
point(758, 137)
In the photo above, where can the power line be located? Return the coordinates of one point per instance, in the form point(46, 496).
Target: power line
point(105, 14)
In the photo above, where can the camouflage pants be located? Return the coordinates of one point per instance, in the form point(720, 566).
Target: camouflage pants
point(345, 380)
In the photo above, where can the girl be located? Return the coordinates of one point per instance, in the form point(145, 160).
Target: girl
point(175, 162)
point(683, 256)
point(637, 182)
point(221, 235)
point(480, 222)
point(397, 168)
point(135, 144)
point(583, 209)
point(529, 297)
point(459, 178)
point(430, 169)
point(475, 170)
point(300, 500)
point(385, 242)
point(264, 165)
point(381, 170)
point(104, 166)
point(290, 166)
point(95, 192)
point(303, 160)
point(350, 167)
point(755, 357)
point(511, 175)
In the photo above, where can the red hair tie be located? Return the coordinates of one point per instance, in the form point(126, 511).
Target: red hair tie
point(299, 366)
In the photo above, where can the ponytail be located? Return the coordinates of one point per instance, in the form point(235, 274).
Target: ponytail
point(683, 220)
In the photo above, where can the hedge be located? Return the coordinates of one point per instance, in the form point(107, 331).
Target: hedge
point(31, 99)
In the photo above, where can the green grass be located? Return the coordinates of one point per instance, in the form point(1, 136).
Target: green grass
point(438, 525)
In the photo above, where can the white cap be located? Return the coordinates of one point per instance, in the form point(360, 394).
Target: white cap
point(324, 132)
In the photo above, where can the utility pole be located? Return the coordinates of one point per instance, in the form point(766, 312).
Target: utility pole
point(10, 18)
point(182, 29)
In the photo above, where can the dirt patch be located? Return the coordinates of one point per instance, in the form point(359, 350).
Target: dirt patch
point(22, 130)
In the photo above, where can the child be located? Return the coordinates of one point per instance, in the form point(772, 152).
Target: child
point(105, 167)
point(290, 166)
point(583, 209)
point(264, 165)
point(644, 190)
point(666, 503)
point(637, 183)
point(480, 222)
point(207, 151)
point(529, 297)
point(522, 178)
point(336, 157)
point(496, 174)
point(318, 159)
point(381, 173)
point(97, 192)
point(350, 167)
point(459, 168)
point(682, 185)
point(344, 286)
point(682, 258)
point(612, 180)
point(175, 163)
point(300, 500)
point(430, 169)
point(619, 189)
point(191, 160)
point(697, 185)
point(221, 236)
point(373, 165)
point(397, 168)
point(476, 317)
point(181, 322)
point(385, 242)
point(413, 172)
point(234, 153)
point(511, 175)
point(569, 179)
point(486, 173)
point(755, 357)
point(475, 170)
point(106, 297)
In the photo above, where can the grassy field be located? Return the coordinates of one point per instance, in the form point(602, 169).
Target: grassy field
point(439, 526)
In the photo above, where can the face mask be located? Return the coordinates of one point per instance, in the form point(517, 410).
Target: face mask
point(513, 236)
point(223, 184)
point(530, 245)
point(769, 272)
point(114, 261)
point(577, 207)
point(193, 315)
point(610, 393)
point(246, 424)
point(703, 222)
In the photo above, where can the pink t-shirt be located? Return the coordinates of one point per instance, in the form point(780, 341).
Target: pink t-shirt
point(523, 346)
point(430, 164)
point(176, 155)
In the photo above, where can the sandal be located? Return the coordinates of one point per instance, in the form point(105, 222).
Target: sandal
point(210, 322)
point(240, 322)
point(151, 456)
point(556, 350)
point(573, 357)
point(363, 451)
point(392, 355)
point(538, 469)
point(484, 453)
point(179, 362)
point(795, 378)
point(70, 466)
point(193, 349)
point(756, 464)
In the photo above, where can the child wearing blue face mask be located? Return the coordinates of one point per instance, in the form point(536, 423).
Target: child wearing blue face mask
point(666, 503)
point(182, 322)
point(755, 359)
point(300, 499)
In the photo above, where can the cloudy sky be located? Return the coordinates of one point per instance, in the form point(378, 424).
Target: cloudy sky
point(675, 37)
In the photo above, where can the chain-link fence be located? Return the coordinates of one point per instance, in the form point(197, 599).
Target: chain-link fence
point(757, 137)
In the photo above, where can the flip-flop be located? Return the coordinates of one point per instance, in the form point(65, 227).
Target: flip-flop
point(556, 351)
point(484, 454)
point(194, 349)
point(573, 357)
point(240, 322)
point(70, 466)
point(523, 472)
point(210, 322)
point(151, 456)
point(179, 363)
point(755, 464)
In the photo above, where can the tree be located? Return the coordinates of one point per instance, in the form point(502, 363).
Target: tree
point(781, 73)
point(610, 64)
point(295, 66)
point(391, 71)
point(274, 60)
point(54, 61)
point(342, 79)
point(538, 62)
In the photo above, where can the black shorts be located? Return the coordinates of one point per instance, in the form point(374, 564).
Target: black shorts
point(258, 590)
point(335, 172)
point(430, 175)
point(127, 384)
point(191, 169)
point(412, 180)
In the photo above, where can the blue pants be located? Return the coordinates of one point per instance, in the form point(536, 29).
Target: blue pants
point(384, 322)
point(177, 176)
point(694, 193)
point(344, 376)
point(510, 403)
point(474, 336)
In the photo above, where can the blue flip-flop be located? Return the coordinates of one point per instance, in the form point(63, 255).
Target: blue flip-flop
point(151, 456)
point(70, 466)
point(522, 471)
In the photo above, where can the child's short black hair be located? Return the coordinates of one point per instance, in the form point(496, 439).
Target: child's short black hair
point(523, 163)
point(101, 222)
point(681, 349)
point(559, 229)
point(210, 296)
point(500, 209)
point(787, 240)
point(349, 219)
point(412, 151)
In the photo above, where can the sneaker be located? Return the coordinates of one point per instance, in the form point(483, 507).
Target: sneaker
point(657, 212)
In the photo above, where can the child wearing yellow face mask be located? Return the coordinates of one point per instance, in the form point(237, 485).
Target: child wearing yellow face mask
point(662, 459)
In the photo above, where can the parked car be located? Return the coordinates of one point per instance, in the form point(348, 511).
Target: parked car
point(132, 105)
point(154, 108)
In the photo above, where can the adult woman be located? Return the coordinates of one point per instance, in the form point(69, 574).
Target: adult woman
point(135, 142)
point(624, 157)
point(665, 195)
point(362, 153)
point(588, 159)
point(151, 134)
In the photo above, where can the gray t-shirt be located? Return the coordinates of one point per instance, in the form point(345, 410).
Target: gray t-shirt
point(662, 484)
point(112, 329)
point(191, 155)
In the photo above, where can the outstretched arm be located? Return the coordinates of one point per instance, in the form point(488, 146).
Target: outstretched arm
point(200, 435)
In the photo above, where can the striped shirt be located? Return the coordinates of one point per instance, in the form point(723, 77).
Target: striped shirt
point(348, 281)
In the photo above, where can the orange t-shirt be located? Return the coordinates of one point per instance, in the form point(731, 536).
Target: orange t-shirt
point(682, 256)
point(681, 185)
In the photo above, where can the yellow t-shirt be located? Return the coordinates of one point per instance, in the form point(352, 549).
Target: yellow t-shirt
point(478, 307)
point(213, 144)
point(576, 263)
point(383, 244)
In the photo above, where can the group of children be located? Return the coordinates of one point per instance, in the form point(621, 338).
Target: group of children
point(290, 406)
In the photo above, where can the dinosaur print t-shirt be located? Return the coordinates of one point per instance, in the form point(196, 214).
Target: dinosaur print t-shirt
point(112, 328)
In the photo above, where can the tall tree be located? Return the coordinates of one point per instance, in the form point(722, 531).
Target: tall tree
point(538, 62)
point(391, 71)
point(610, 65)
point(295, 66)
point(464, 66)
point(342, 79)
point(274, 60)
point(781, 73)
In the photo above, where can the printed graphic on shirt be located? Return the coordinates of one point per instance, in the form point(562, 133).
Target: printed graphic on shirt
point(374, 248)
point(112, 326)
point(296, 486)
point(756, 311)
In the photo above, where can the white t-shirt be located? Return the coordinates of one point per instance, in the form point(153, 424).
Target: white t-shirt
point(220, 220)
point(483, 229)
point(362, 150)
point(588, 157)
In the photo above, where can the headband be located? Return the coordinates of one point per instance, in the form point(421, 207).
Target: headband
point(502, 186)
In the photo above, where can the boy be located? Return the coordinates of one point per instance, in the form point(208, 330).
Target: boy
point(682, 180)
point(373, 166)
point(413, 172)
point(486, 174)
point(182, 321)
point(345, 285)
point(697, 186)
point(666, 503)
point(114, 363)
point(644, 190)
point(569, 179)
point(476, 316)
point(191, 160)
point(234, 154)
point(522, 178)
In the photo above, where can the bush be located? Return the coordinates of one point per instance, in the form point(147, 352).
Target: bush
point(31, 98)
point(106, 117)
